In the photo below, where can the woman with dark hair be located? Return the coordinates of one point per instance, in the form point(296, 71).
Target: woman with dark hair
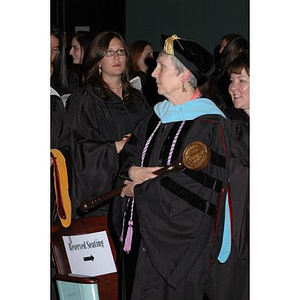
point(143, 64)
point(62, 80)
point(80, 43)
point(219, 81)
point(140, 50)
point(236, 47)
point(102, 112)
point(227, 39)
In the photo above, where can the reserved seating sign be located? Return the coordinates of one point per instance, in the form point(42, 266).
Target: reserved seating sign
point(89, 254)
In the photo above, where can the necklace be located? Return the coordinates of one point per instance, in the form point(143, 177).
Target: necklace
point(115, 88)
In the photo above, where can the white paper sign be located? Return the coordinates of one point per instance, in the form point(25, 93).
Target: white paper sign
point(89, 254)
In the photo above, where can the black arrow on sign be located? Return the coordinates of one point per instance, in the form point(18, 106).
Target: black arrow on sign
point(89, 258)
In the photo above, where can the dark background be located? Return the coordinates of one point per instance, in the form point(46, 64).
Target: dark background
point(204, 21)
point(97, 14)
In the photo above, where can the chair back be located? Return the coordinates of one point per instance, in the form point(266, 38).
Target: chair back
point(86, 249)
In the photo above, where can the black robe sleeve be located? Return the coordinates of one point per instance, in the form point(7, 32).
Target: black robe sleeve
point(239, 180)
point(96, 125)
point(60, 135)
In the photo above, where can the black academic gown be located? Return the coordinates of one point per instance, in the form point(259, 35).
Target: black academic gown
point(180, 215)
point(96, 125)
point(231, 279)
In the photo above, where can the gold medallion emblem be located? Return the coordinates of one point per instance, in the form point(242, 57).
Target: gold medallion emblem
point(196, 156)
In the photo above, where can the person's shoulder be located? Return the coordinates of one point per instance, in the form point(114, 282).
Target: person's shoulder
point(81, 96)
point(83, 91)
point(213, 118)
point(55, 102)
point(137, 95)
point(210, 111)
point(236, 114)
point(136, 92)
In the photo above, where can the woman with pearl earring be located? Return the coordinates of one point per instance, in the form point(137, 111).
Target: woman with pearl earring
point(103, 113)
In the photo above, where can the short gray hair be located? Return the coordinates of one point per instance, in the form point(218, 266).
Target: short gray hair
point(180, 67)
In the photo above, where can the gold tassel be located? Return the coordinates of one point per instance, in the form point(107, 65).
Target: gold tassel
point(169, 44)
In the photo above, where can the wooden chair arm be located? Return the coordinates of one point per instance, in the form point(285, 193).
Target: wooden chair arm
point(76, 278)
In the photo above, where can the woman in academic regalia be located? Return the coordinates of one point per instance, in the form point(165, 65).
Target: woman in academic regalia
point(101, 113)
point(173, 224)
point(232, 277)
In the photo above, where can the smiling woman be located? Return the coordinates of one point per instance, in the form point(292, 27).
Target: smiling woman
point(239, 88)
point(80, 44)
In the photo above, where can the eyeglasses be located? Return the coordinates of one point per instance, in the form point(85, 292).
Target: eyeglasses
point(120, 52)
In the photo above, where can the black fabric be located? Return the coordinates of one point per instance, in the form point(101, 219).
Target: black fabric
point(151, 127)
point(189, 197)
point(194, 57)
point(217, 159)
point(180, 140)
point(130, 259)
point(72, 81)
point(206, 180)
point(149, 88)
point(60, 132)
point(96, 125)
point(165, 149)
point(231, 279)
point(178, 241)
point(239, 178)
point(61, 139)
point(164, 153)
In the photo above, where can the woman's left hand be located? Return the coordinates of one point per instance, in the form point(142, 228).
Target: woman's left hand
point(141, 174)
point(138, 175)
point(128, 189)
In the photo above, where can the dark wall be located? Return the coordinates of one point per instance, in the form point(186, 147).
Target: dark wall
point(204, 21)
point(99, 15)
